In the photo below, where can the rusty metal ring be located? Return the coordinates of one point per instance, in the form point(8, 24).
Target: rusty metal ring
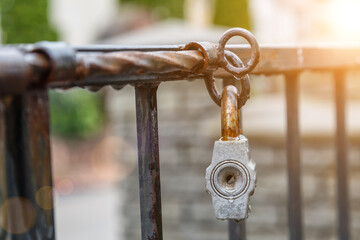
point(245, 82)
point(212, 89)
point(255, 52)
point(210, 53)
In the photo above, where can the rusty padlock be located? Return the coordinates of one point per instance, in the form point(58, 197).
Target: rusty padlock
point(231, 176)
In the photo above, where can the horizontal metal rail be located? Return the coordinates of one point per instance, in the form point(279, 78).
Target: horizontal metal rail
point(102, 65)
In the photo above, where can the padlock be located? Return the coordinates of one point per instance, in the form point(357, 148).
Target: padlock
point(231, 176)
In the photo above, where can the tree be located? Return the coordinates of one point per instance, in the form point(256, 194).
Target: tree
point(232, 13)
point(74, 113)
point(25, 21)
point(164, 8)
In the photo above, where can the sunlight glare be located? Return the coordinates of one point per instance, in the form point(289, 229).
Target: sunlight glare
point(346, 18)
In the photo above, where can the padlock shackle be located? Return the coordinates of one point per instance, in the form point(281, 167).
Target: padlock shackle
point(230, 114)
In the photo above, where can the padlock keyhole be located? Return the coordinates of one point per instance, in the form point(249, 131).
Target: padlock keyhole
point(229, 178)
point(230, 182)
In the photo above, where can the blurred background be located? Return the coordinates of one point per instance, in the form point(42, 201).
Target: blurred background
point(94, 134)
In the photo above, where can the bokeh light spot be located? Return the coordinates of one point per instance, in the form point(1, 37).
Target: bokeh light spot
point(44, 197)
point(65, 186)
point(18, 215)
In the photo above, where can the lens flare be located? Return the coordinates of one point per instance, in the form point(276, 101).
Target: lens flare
point(44, 197)
point(18, 215)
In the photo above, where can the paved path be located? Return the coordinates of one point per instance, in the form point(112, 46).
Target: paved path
point(90, 214)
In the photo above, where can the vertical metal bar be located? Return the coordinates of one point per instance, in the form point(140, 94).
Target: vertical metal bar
point(149, 168)
point(25, 168)
point(341, 157)
point(293, 157)
point(236, 230)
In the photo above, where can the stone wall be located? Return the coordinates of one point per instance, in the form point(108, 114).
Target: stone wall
point(189, 123)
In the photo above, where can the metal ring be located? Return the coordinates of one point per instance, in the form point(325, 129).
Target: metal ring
point(255, 52)
point(212, 89)
point(210, 53)
point(245, 82)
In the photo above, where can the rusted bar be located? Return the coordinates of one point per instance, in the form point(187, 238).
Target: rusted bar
point(230, 128)
point(235, 82)
point(25, 168)
point(274, 58)
point(121, 48)
point(19, 70)
point(293, 157)
point(279, 59)
point(341, 157)
point(130, 67)
point(137, 63)
point(38, 67)
point(149, 168)
point(236, 230)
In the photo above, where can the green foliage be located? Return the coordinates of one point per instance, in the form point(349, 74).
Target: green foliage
point(25, 21)
point(232, 13)
point(75, 113)
point(164, 8)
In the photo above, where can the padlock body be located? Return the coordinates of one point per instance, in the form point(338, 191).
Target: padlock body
point(231, 178)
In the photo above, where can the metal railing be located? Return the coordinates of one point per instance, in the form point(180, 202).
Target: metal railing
point(28, 71)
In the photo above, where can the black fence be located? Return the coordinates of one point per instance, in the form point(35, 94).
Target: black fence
point(28, 71)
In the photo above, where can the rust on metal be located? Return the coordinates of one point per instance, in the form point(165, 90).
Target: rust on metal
point(215, 56)
point(61, 57)
point(210, 52)
point(25, 172)
point(148, 161)
point(92, 68)
point(137, 63)
point(71, 68)
point(230, 119)
point(38, 67)
point(236, 230)
point(244, 82)
point(255, 52)
point(18, 70)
